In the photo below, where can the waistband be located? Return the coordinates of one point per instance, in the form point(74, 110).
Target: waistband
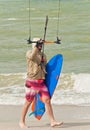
point(36, 80)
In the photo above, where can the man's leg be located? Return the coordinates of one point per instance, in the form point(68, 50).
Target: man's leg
point(23, 114)
point(49, 111)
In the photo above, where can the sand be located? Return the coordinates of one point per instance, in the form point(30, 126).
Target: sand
point(74, 118)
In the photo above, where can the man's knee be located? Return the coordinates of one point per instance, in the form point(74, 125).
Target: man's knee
point(46, 100)
point(27, 103)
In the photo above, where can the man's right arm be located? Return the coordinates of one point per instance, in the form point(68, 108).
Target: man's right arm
point(31, 54)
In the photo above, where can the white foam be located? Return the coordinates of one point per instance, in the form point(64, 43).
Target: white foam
point(12, 19)
point(70, 97)
point(82, 83)
point(71, 89)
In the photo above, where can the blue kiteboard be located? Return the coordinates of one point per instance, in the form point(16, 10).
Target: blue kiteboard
point(53, 69)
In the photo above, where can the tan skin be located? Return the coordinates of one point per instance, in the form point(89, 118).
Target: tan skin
point(48, 109)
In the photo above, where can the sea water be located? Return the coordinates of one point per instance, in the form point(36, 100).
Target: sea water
point(74, 31)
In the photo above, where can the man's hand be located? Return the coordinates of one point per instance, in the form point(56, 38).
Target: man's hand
point(39, 43)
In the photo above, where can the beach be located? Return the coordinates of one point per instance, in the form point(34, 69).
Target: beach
point(74, 118)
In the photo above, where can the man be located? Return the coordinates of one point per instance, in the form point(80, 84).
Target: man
point(36, 61)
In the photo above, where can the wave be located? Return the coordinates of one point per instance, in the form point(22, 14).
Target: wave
point(78, 82)
point(72, 89)
point(11, 19)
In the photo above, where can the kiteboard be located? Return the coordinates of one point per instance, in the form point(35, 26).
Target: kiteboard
point(53, 69)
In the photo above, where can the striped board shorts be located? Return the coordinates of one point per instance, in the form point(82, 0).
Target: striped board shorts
point(32, 87)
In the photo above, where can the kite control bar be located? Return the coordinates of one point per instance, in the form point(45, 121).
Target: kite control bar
point(58, 41)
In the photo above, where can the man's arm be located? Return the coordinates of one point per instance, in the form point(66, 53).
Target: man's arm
point(31, 54)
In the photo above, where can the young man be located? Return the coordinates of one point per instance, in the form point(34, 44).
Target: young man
point(36, 62)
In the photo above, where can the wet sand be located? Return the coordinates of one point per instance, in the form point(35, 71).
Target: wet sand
point(74, 118)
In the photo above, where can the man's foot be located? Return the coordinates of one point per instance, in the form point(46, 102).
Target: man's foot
point(22, 125)
point(54, 124)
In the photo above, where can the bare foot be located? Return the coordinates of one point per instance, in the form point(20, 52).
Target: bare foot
point(22, 125)
point(53, 124)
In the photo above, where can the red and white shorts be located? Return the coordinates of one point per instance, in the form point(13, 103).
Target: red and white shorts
point(33, 87)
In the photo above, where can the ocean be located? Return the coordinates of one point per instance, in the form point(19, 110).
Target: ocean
point(74, 31)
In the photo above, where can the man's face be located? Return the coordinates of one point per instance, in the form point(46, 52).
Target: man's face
point(40, 46)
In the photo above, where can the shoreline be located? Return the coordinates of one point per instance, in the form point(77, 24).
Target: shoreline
point(74, 117)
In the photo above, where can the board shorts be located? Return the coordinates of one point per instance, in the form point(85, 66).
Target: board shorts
point(32, 87)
